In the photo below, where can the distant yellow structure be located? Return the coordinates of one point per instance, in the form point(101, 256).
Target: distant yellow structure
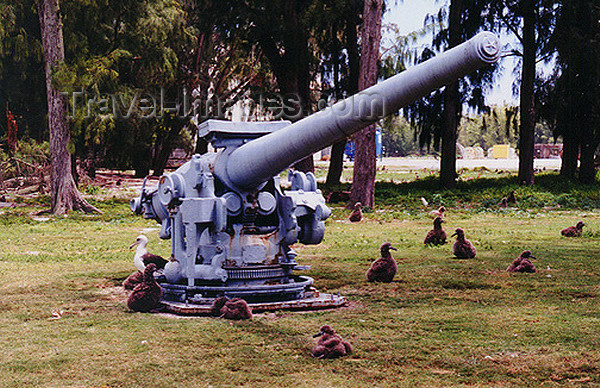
point(500, 151)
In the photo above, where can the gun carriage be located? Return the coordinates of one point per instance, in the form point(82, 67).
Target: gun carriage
point(232, 225)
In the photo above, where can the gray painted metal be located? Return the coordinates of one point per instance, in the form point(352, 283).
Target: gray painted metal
point(257, 161)
point(232, 225)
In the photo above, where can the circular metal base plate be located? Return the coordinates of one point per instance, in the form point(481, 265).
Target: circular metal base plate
point(295, 288)
point(313, 301)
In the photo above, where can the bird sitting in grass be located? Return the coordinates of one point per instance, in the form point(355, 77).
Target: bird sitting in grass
point(383, 269)
point(503, 203)
point(463, 249)
point(337, 196)
point(133, 280)
point(146, 295)
point(330, 344)
point(510, 198)
point(523, 263)
point(436, 236)
point(438, 213)
point(573, 231)
point(235, 309)
point(356, 215)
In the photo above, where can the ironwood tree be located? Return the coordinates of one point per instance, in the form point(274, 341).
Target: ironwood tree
point(363, 179)
point(436, 117)
point(280, 29)
point(335, 30)
point(532, 23)
point(64, 194)
point(452, 104)
point(22, 84)
point(575, 95)
point(527, 103)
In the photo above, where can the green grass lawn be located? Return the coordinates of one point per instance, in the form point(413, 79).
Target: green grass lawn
point(443, 323)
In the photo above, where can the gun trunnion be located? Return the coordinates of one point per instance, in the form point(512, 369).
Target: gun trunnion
point(231, 224)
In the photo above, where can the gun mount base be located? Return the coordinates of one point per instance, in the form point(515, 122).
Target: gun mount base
point(313, 301)
point(295, 295)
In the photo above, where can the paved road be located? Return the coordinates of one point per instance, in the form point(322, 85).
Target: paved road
point(491, 164)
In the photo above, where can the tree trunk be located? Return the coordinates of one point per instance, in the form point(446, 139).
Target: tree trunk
point(141, 161)
point(64, 194)
point(449, 136)
point(570, 155)
point(336, 163)
point(452, 105)
point(587, 170)
point(296, 64)
point(164, 147)
point(363, 181)
point(527, 106)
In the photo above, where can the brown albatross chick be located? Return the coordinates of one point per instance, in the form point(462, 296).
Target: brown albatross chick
point(503, 203)
point(463, 249)
point(523, 263)
point(133, 280)
point(146, 295)
point(573, 231)
point(235, 309)
point(510, 198)
point(436, 236)
point(383, 269)
point(330, 344)
point(356, 215)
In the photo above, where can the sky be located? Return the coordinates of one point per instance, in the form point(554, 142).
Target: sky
point(409, 15)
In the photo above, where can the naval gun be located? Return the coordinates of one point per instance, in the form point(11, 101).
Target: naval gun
point(232, 225)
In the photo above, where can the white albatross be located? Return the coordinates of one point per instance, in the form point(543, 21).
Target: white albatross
point(142, 258)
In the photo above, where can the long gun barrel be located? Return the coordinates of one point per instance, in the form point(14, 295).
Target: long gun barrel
point(257, 161)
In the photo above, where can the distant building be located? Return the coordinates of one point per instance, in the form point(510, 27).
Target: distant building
point(502, 151)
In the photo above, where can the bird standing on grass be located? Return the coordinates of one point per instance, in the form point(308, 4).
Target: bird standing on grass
point(573, 231)
point(383, 269)
point(146, 295)
point(436, 236)
point(463, 249)
point(330, 344)
point(141, 259)
point(235, 309)
point(356, 215)
point(523, 263)
point(438, 213)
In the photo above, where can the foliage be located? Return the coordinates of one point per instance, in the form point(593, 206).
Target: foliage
point(30, 159)
point(570, 97)
point(426, 114)
point(498, 126)
point(22, 83)
point(398, 138)
point(130, 52)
